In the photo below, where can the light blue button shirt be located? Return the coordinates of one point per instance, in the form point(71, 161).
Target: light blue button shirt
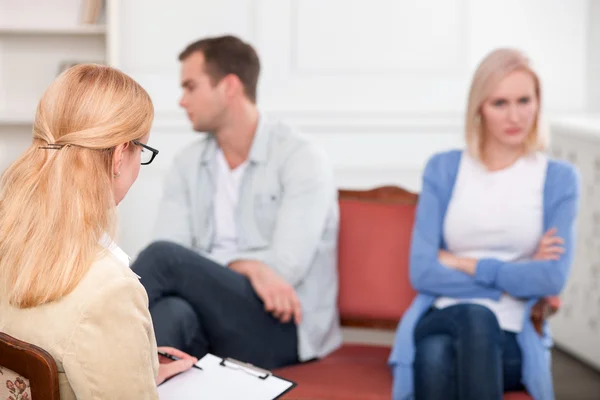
point(287, 217)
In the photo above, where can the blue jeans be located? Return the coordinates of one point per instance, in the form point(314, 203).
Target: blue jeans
point(461, 353)
point(202, 307)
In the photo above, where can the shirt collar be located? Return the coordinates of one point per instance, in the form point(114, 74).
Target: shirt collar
point(118, 253)
point(258, 151)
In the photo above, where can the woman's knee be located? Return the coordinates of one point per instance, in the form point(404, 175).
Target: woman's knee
point(477, 320)
point(434, 355)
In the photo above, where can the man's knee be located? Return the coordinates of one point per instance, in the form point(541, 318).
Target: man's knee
point(156, 255)
point(176, 307)
point(160, 248)
point(173, 317)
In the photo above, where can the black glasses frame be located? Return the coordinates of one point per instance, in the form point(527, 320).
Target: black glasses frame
point(153, 150)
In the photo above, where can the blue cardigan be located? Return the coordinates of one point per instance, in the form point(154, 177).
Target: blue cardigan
point(527, 279)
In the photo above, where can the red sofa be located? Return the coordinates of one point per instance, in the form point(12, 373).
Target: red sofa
point(374, 292)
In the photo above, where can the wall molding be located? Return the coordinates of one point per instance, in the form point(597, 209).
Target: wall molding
point(358, 122)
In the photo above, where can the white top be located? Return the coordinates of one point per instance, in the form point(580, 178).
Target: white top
point(225, 205)
point(496, 214)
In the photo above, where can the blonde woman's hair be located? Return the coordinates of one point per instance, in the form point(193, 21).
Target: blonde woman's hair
point(493, 68)
point(56, 203)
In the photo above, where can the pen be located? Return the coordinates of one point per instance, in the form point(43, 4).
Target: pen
point(172, 357)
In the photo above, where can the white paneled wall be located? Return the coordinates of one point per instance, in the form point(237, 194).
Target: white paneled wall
point(593, 56)
point(381, 84)
point(353, 58)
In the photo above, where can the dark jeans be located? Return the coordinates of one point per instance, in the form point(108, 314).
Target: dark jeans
point(461, 353)
point(199, 307)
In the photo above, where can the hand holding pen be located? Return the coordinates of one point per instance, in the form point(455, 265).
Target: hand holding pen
point(169, 369)
point(174, 358)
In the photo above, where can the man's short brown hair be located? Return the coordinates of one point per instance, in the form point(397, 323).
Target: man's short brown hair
point(226, 55)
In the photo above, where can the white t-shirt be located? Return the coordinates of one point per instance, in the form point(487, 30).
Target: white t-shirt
point(496, 214)
point(225, 205)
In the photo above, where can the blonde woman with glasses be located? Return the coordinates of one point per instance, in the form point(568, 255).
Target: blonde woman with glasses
point(493, 236)
point(65, 285)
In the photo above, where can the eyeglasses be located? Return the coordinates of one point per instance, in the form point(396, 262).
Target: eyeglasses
point(148, 153)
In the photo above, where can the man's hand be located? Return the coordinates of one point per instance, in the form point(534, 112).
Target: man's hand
point(277, 295)
point(168, 368)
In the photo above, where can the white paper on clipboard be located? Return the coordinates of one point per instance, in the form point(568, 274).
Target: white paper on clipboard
point(223, 380)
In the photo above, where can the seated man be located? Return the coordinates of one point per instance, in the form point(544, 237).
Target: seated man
point(245, 262)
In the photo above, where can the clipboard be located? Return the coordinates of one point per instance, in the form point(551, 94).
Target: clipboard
point(225, 379)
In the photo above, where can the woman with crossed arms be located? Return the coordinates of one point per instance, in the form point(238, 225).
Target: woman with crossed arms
point(493, 234)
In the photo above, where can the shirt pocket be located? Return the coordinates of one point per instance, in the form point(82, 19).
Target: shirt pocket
point(266, 207)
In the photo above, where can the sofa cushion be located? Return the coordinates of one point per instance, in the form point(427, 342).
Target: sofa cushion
point(353, 372)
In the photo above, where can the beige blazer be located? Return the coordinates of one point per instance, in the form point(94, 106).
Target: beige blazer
point(100, 335)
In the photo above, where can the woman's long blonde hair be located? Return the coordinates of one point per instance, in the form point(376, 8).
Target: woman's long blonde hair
point(56, 203)
point(493, 68)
